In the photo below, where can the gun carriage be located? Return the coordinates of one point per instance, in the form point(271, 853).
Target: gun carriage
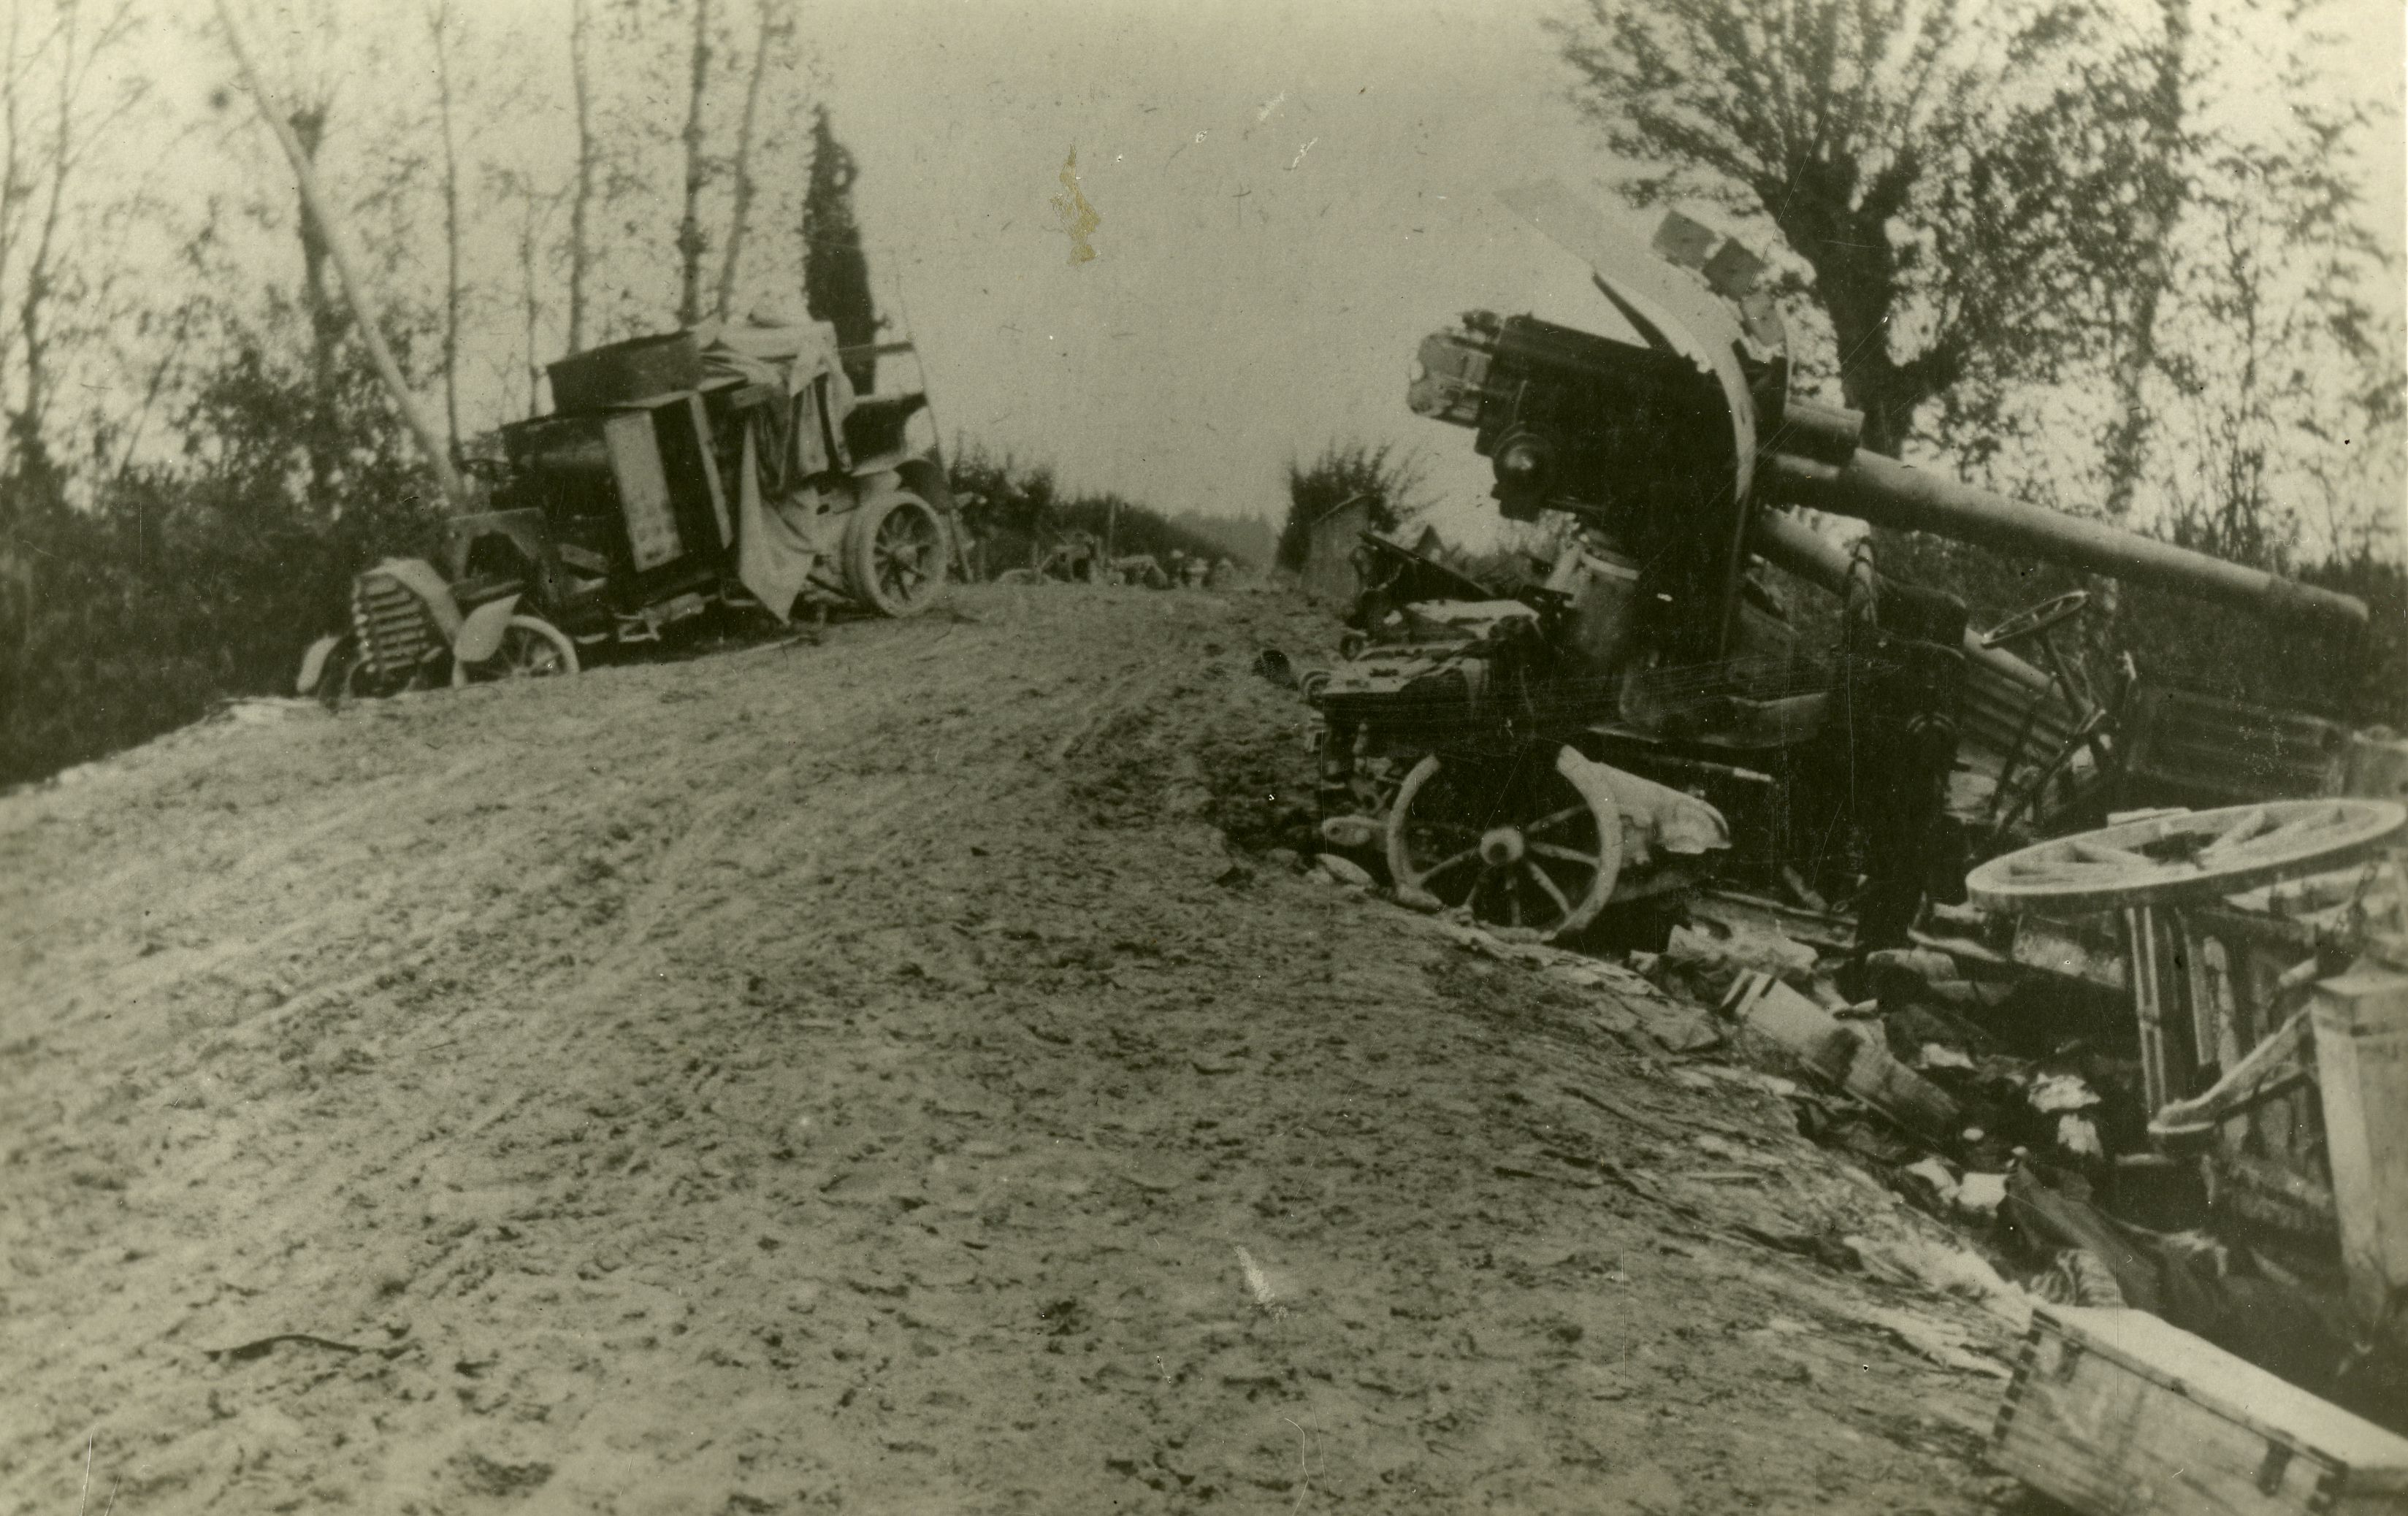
point(1649, 713)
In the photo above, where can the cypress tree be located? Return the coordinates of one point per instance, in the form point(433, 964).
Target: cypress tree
point(836, 272)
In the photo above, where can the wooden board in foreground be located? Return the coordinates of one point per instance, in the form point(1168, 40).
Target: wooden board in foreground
point(2121, 1413)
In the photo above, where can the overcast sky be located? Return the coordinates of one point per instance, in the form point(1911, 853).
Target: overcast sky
point(1290, 195)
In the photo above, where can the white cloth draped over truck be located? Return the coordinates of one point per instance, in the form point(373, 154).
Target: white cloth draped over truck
point(778, 498)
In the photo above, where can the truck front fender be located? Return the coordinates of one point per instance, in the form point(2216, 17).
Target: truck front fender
point(481, 635)
point(314, 663)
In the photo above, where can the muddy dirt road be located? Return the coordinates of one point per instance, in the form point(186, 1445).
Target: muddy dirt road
point(862, 1078)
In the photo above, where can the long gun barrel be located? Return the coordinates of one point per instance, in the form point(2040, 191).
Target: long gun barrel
point(1692, 429)
point(1887, 492)
point(1602, 428)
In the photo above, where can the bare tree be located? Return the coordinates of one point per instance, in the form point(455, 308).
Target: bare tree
point(771, 34)
point(328, 319)
point(346, 266)
point(580, 39)
point(2164, 186)
point(48, 138)
point(2286, 381)
point(535, 209)
point(16, 67)
point(691, 242)
point(80, 50)
point(439, 26)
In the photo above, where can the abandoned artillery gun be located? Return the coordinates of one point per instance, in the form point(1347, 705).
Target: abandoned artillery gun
point(1648, 714)
point(676, 474)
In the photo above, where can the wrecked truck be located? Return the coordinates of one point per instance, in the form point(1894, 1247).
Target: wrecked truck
point(1648, 714)
point(718, 466)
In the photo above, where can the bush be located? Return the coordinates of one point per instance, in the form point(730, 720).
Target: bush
point(1344, 471)
point(180, 585)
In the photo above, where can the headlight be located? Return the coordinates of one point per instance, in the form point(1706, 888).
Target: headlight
point(1522, 462)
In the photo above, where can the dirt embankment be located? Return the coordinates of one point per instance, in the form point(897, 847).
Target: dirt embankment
point(862, 1078)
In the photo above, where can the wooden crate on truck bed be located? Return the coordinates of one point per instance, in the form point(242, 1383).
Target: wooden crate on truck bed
point(2121, 1413)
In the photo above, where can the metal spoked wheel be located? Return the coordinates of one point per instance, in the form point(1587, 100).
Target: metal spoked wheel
point(2186, 856)
point(896, 562)
point(531, 648)
point(1532, 841)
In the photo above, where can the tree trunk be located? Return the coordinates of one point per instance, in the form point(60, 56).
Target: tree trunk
point(308, 127)
point(1846, 238)
point(691, 243)
point(33, 307)
point(529, 305)
point(2162, 192)
point(439, 19)
point(744, 186)
point(580, 26)
point(346, 266)
point(12, 171)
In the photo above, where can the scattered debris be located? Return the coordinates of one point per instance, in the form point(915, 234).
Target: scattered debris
point(1351, 832)
point(2078, 1136)
point(1938, 1179)
point(1706, 968)
point(2076, 1276)
point(2053, 1093)
point(1978, 1195)
point(1343, 870)
point(1259, 1284)
point(1789, 1034)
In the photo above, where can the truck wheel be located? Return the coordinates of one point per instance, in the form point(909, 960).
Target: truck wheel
point(895, 555)
point(531, 648)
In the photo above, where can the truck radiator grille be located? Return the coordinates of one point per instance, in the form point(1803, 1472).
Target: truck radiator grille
point(395, 630)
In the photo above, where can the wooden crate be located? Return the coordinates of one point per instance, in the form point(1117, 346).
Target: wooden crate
point(2361, 1034)
point(2120, 1413)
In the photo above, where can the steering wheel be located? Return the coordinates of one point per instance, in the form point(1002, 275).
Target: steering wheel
point(2046, 616)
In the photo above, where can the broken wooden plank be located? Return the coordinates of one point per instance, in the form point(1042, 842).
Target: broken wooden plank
point(2121, 1413)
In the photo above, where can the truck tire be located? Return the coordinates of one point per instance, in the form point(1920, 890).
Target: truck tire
point(895, 555)
point(532, 648)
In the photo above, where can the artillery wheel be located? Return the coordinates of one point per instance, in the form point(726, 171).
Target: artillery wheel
point(895, 555)
point(2186, 856)
point(531, 648)
point(1533, 841)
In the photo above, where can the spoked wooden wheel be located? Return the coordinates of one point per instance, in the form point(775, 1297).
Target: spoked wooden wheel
point(531, 648)
point(1532, 841)
point(896, 555)
point(2186, 856)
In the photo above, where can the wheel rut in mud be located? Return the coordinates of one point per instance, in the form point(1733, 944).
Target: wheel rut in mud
point(869, 1077)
